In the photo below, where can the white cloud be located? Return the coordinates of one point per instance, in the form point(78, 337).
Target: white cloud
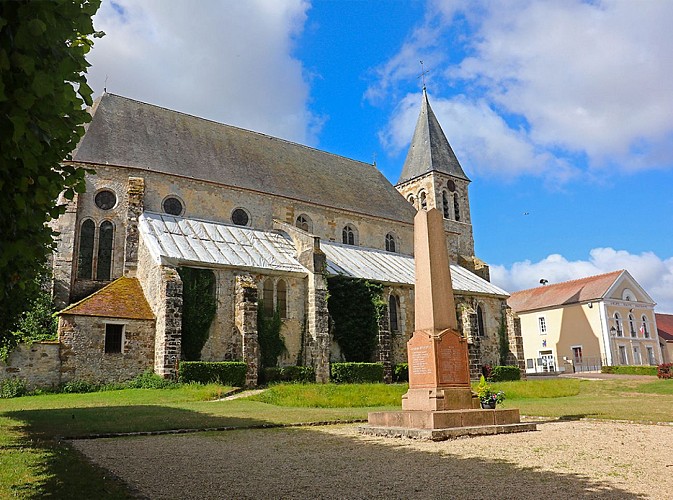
point(587, 79)
point(228, 61)
point(654, 274)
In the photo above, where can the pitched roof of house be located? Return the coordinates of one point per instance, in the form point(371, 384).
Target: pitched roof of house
point(180, 241)
point(665, 326)
point(129, 133)
point(568, 292)
point(430, 150)
point(123, 298)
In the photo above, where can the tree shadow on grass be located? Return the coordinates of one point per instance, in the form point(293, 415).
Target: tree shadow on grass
point(62, 472)
point(304, 463)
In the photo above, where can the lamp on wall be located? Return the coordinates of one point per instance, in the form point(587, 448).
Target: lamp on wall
point(590, 304)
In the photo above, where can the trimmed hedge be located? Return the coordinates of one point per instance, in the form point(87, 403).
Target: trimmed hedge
point(302, 374)
point(505, 373)
point(401, 372)
point(630, 370)
point(354, 373)
point(665, 370)
point(203, 372)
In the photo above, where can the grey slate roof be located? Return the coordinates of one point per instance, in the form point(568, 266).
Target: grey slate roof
point(179, 241)
point(130, 133)
point(429, 150)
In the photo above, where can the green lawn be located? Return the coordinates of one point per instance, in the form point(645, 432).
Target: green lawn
point(34, 463)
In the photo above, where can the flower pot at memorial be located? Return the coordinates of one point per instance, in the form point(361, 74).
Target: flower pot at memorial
point(488, 405)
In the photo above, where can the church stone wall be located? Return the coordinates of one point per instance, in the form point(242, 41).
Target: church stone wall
point(83, 355)
point(38, 365)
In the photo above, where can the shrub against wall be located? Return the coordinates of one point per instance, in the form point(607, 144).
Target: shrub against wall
point(354, 373)
point(303, 374)
point(505, 373)
point(665, 370)
point(630, 370)
point(354, 306)
point(401, 372)
point(271, 343)
point(225, 372)
point(198, 309)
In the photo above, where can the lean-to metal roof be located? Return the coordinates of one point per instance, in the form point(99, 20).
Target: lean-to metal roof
point(388, 267)
point(179, 241)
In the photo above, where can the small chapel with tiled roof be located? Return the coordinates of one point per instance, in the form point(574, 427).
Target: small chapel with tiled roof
point(267, 222)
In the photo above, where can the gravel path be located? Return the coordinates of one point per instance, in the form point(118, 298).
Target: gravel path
point(562, 460)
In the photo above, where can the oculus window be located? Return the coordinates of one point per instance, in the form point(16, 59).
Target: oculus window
point(172, 206)
point(105, 199)
point(240, 217)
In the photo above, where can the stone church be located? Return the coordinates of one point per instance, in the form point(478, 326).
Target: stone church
point(272, 219)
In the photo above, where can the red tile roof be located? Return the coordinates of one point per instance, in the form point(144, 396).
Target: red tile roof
point(123, 298)
point(665, 326)
point(568, 292)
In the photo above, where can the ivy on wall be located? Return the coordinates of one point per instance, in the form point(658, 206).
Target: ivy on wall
point(355, 306)
point(503, 341)
point(271, 344)
point(198, 309)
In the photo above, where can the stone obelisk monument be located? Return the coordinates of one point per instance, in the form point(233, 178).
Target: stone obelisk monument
point(440, 403)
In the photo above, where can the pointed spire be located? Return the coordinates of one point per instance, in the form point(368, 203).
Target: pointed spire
point(429, 150)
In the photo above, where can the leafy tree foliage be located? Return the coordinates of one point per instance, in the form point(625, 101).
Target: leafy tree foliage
point(198, 309)
point(355, 305)
point(271, 344)
point(42, 92)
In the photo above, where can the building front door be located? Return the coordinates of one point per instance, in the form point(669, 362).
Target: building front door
point(548, 363)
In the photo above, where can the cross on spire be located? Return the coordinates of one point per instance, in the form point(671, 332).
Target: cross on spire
point(423, 73)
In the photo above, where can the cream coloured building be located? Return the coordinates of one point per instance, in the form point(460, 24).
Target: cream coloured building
point(583, 324)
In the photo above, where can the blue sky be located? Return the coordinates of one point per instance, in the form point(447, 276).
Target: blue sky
point(561, 112)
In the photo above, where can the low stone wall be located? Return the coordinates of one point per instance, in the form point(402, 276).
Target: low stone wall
point(38, 364)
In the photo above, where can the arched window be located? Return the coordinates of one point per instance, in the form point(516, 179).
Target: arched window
point(445, 205)
point(267, 297)
point(104, 261)
point(424, 201)
point(348, 235)
point(618, 325)
point(411, 200)
point(281, 298)
point(391, 246)
point(85, 254)
point(393, 312)
point(632, 325)
point(304, 222)
point(644, 328)
point(628, 295)
point(456, 207)
point(480, 322)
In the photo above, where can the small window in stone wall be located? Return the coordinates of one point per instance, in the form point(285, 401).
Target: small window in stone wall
point(481, 331)
point(281, 298)
point(391, 244)
point(172, 206)
point(267, 297)
point(348, 235)
point(105, 240)
point(456, 208)
point(105, 199)
point(393, 313)
point(114, 335)
point(240, 217)
point(304, 222)
point(85, 254)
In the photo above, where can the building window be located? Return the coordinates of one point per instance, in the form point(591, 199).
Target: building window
point(240, 217)
point(445, 205)
point(424, 201)
point(267, 297)
point(114, 335)
point(411, 200)
point(577, 354)
point(650, 356)
point(456, 208)
point(480, 322)
point(451, 185)
point(618, 325)
point(632, 325)
point(530, 363)
point(304, 222)
point(636, 356)
point(627, 295)
point(390, 243)
point(105, 199)
point(542, 325)
point(105, 239)
point(644, 329)
point(281, 298)
point(622, 355)
point(393, 313)
point(172, 206)
point(85, 254)
point(348, 235)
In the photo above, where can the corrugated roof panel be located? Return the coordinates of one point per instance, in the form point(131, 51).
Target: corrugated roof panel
point(185, 240)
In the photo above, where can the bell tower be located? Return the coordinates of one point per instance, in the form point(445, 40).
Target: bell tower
point(433, 178)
